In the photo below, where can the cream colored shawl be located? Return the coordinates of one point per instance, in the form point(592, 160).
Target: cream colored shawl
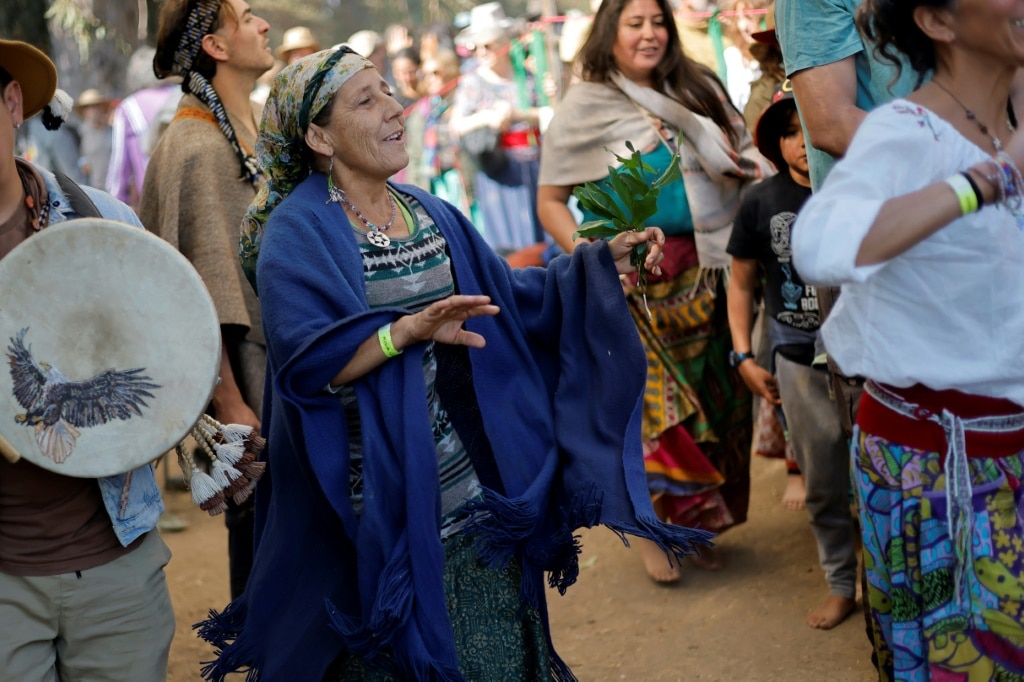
point(595, 115)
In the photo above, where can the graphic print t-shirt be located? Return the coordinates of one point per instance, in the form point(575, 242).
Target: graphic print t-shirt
point(762, 232)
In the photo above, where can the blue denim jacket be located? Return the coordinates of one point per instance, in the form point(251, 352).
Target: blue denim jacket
point(132, 500)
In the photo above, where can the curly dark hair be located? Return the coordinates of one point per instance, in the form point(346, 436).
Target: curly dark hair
point(890, 25)
point(676, 75)
point(173, 20)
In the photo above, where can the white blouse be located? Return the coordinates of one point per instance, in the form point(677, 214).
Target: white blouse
point(948, 312)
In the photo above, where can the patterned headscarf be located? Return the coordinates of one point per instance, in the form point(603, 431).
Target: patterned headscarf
point(200, 20)
point(297, 96)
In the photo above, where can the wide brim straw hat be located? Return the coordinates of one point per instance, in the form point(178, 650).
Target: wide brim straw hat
point(297, 38)
point(487, 22)
point(34, 72)
point(91, 97)
point(364, 42)
point(767, 36)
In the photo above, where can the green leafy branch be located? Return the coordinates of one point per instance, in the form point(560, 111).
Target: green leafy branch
point(631, 203)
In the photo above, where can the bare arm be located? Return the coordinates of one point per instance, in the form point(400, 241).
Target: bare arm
point(740, 298)
point(903, 222)
point(554, 214)
point(827, 97)
point(440, 321)
point(228, 404)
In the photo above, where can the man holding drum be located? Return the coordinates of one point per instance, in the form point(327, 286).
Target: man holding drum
point(199, 182)
point(82, 587)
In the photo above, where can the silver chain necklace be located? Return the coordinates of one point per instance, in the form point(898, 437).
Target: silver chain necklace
point(971, 116)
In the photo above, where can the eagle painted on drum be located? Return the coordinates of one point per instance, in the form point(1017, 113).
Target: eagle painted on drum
point(56, 407)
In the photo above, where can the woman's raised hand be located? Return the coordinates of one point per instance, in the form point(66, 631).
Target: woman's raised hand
point(623, 244)
point(442, 321)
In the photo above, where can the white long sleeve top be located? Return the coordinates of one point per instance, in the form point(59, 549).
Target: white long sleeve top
point(948, 312)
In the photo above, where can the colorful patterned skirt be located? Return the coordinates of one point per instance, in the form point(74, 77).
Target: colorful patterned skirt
point(924, 627)
point(497, 636)
point(697, 422)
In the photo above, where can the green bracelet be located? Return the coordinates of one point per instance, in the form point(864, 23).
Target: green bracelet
point(386, 344)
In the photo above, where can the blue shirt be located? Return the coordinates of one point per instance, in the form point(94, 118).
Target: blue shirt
point(820, 32)
point(143, 505)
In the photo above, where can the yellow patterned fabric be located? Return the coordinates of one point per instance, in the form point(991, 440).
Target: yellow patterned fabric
point(697, 418)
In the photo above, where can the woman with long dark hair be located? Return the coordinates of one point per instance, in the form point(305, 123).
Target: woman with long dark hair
point(639, 87)
point(921, 225)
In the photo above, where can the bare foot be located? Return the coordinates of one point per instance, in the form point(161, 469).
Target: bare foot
point(795, 496)
point(707, 558)
point(661, 567)
point(830, 614)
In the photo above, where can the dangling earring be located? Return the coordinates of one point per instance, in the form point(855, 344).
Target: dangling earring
point(333, 193)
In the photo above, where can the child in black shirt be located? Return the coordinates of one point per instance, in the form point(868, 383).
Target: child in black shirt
point(760, 243)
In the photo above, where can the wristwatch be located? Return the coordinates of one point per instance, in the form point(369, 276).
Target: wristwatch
point(736, 358)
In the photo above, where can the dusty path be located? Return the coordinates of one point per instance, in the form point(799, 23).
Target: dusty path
point(743, 624)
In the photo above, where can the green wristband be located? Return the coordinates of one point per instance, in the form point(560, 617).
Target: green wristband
point(386, 344)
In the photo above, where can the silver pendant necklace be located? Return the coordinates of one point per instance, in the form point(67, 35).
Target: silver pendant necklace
point(375, 234)
point(971, 116)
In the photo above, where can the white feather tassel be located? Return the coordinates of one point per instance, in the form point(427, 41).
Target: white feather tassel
point(61, 104)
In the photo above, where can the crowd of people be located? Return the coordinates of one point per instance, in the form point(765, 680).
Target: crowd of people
point(452, 381)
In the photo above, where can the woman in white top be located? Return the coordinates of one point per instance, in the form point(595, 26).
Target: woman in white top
point(921, 224)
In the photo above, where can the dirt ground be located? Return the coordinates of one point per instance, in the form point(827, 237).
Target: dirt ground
point(742, 624)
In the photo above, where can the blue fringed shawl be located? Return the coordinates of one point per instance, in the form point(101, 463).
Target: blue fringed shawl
point(559, 387)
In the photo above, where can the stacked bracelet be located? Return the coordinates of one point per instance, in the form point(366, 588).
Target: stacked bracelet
point(965, 191)
point(978, 196)
point(386, 344)
point(1012, 182)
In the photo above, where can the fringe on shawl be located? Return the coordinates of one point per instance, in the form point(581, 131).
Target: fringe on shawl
point(679, 541)
point(223, 630)
point(710, 277)
point(561, 553)
point(560, 672)
point(391, 611)
point(499, 526)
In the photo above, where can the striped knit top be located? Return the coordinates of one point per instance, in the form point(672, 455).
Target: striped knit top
point(413, 272)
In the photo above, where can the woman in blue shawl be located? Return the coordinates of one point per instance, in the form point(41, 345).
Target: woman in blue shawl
point(439, 425)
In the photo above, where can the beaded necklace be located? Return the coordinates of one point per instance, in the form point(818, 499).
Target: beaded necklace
point(376, 234)
point(38, 211)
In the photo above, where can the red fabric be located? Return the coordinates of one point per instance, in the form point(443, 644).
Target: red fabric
point(519, 138)
point(677, 455)
point(922, 434)
point(527, 256)
point(680, 255)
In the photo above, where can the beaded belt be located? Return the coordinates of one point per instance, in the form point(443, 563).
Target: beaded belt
point(959, 505)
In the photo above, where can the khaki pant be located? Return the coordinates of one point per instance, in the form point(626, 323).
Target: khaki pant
point(112, 623)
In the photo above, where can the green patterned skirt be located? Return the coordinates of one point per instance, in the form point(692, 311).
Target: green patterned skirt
point(497, 637)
